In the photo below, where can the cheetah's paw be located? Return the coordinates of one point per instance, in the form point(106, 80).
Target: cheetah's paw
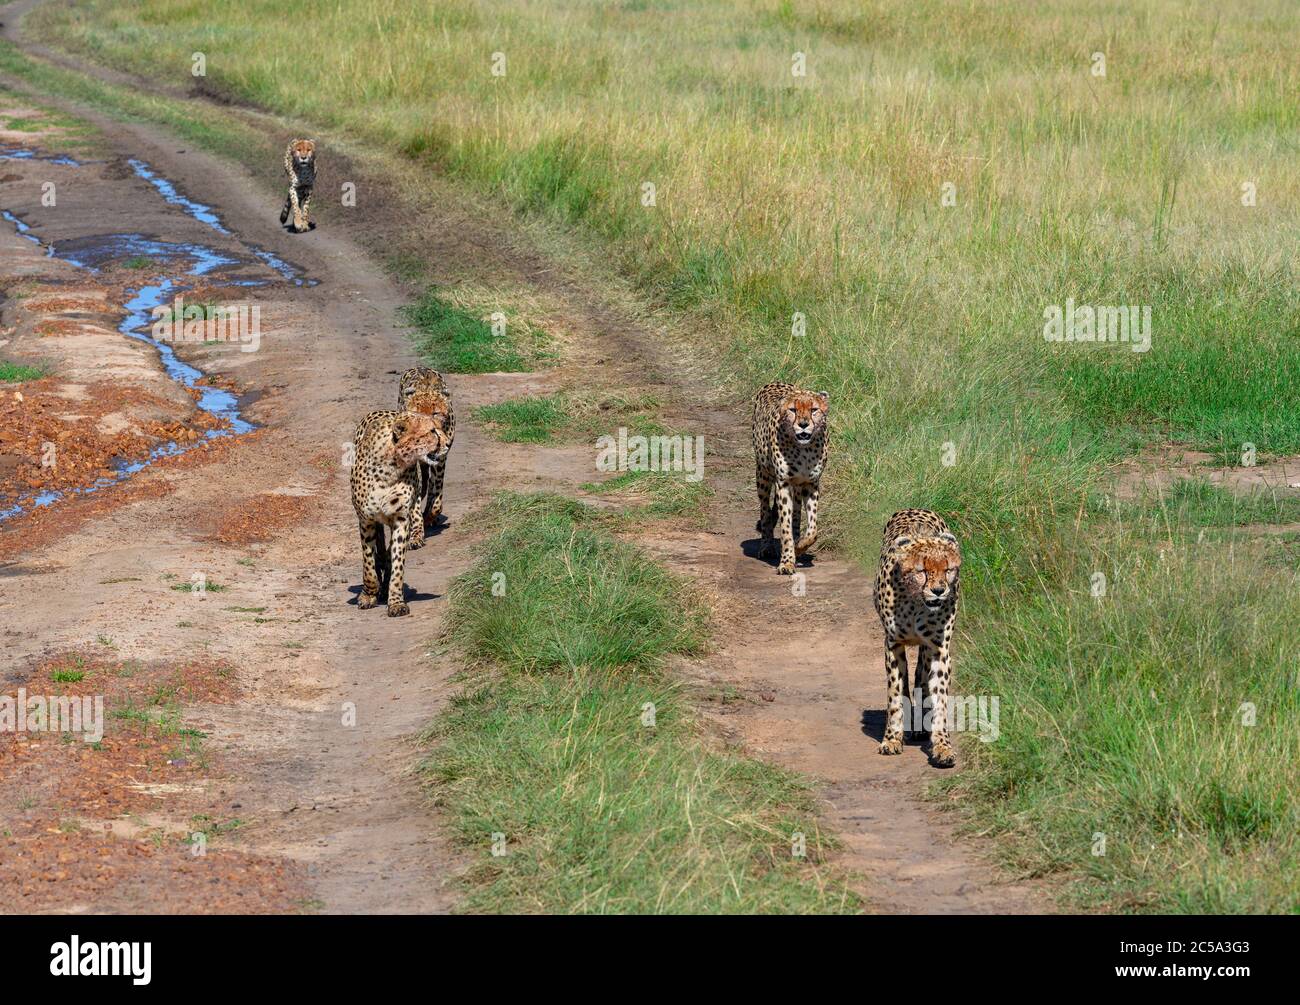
point(942, 755)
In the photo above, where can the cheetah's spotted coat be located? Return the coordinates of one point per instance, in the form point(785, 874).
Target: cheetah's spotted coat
point(916, 599)
point(421, 389)
point(390, 447)
point(791, 439)
point(300, 166)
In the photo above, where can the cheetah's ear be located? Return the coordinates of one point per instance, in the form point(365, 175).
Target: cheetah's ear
point(401, 426)
point(826, 398)
point(902, 542)
point(949, 537)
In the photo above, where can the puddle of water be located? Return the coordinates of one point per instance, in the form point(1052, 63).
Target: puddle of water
point(200, 212)
point(281, 266)
point(22, 228)
point(32, 155)
point(92, 254)
point(214, 400)
point(205, 214)
point(137, 325)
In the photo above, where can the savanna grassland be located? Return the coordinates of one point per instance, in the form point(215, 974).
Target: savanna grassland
point(940, 175)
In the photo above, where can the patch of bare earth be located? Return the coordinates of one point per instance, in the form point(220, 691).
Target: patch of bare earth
point(1158, 469)
point(136, 820)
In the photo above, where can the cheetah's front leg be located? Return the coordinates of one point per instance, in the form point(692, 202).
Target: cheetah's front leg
point(766, 514)
point(371, 541)
point(434, 506)
point(785, 518)
point(895, 681)
point(294, 209)
point(942, 754)
point(397, 605)
point(415, 513)
point(304, 198)
point(809, 537)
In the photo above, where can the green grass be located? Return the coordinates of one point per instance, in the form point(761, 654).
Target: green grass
point(455, 340)
point(192, 122)
point(576, 747)
point(11, 373)
point(193, 588)
point(1125, 715)
point(525, 420)
point(822, 196)
point(656, 493)
point(1193, 503)
point(22, 125)
point(571, 596)
point(572, 417)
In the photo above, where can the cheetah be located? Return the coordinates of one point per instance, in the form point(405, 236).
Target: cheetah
point(423, 390)
point(390, 446)
point(791, 437)
point(300, 166)
point(916, 599)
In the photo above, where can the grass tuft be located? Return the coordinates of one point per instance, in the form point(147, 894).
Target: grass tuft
point(16, 373)
point(454, 340)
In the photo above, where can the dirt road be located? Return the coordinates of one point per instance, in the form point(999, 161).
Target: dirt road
point(325, 808)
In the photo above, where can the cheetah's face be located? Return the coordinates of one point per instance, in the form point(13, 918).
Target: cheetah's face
point(303, 151)
point(928, 569)
point(804, 415)
point(415, 437)
point(430, 402)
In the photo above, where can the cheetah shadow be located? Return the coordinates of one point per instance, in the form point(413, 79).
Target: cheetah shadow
point(873, 726)
point(873, 723)
point(409, 593)
point(753, 548)
point(288, 228)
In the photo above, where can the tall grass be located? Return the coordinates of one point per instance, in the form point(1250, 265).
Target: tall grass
point(823, 195)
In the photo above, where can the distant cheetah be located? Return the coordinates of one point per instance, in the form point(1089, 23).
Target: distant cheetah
point(791, 439)
point(916, 599)
point(300, 166)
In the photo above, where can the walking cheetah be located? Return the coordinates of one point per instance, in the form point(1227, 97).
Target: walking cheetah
point(423, 390)
point(916, 598)
point(385, 478)
point(300, 166)
point(791, 438)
